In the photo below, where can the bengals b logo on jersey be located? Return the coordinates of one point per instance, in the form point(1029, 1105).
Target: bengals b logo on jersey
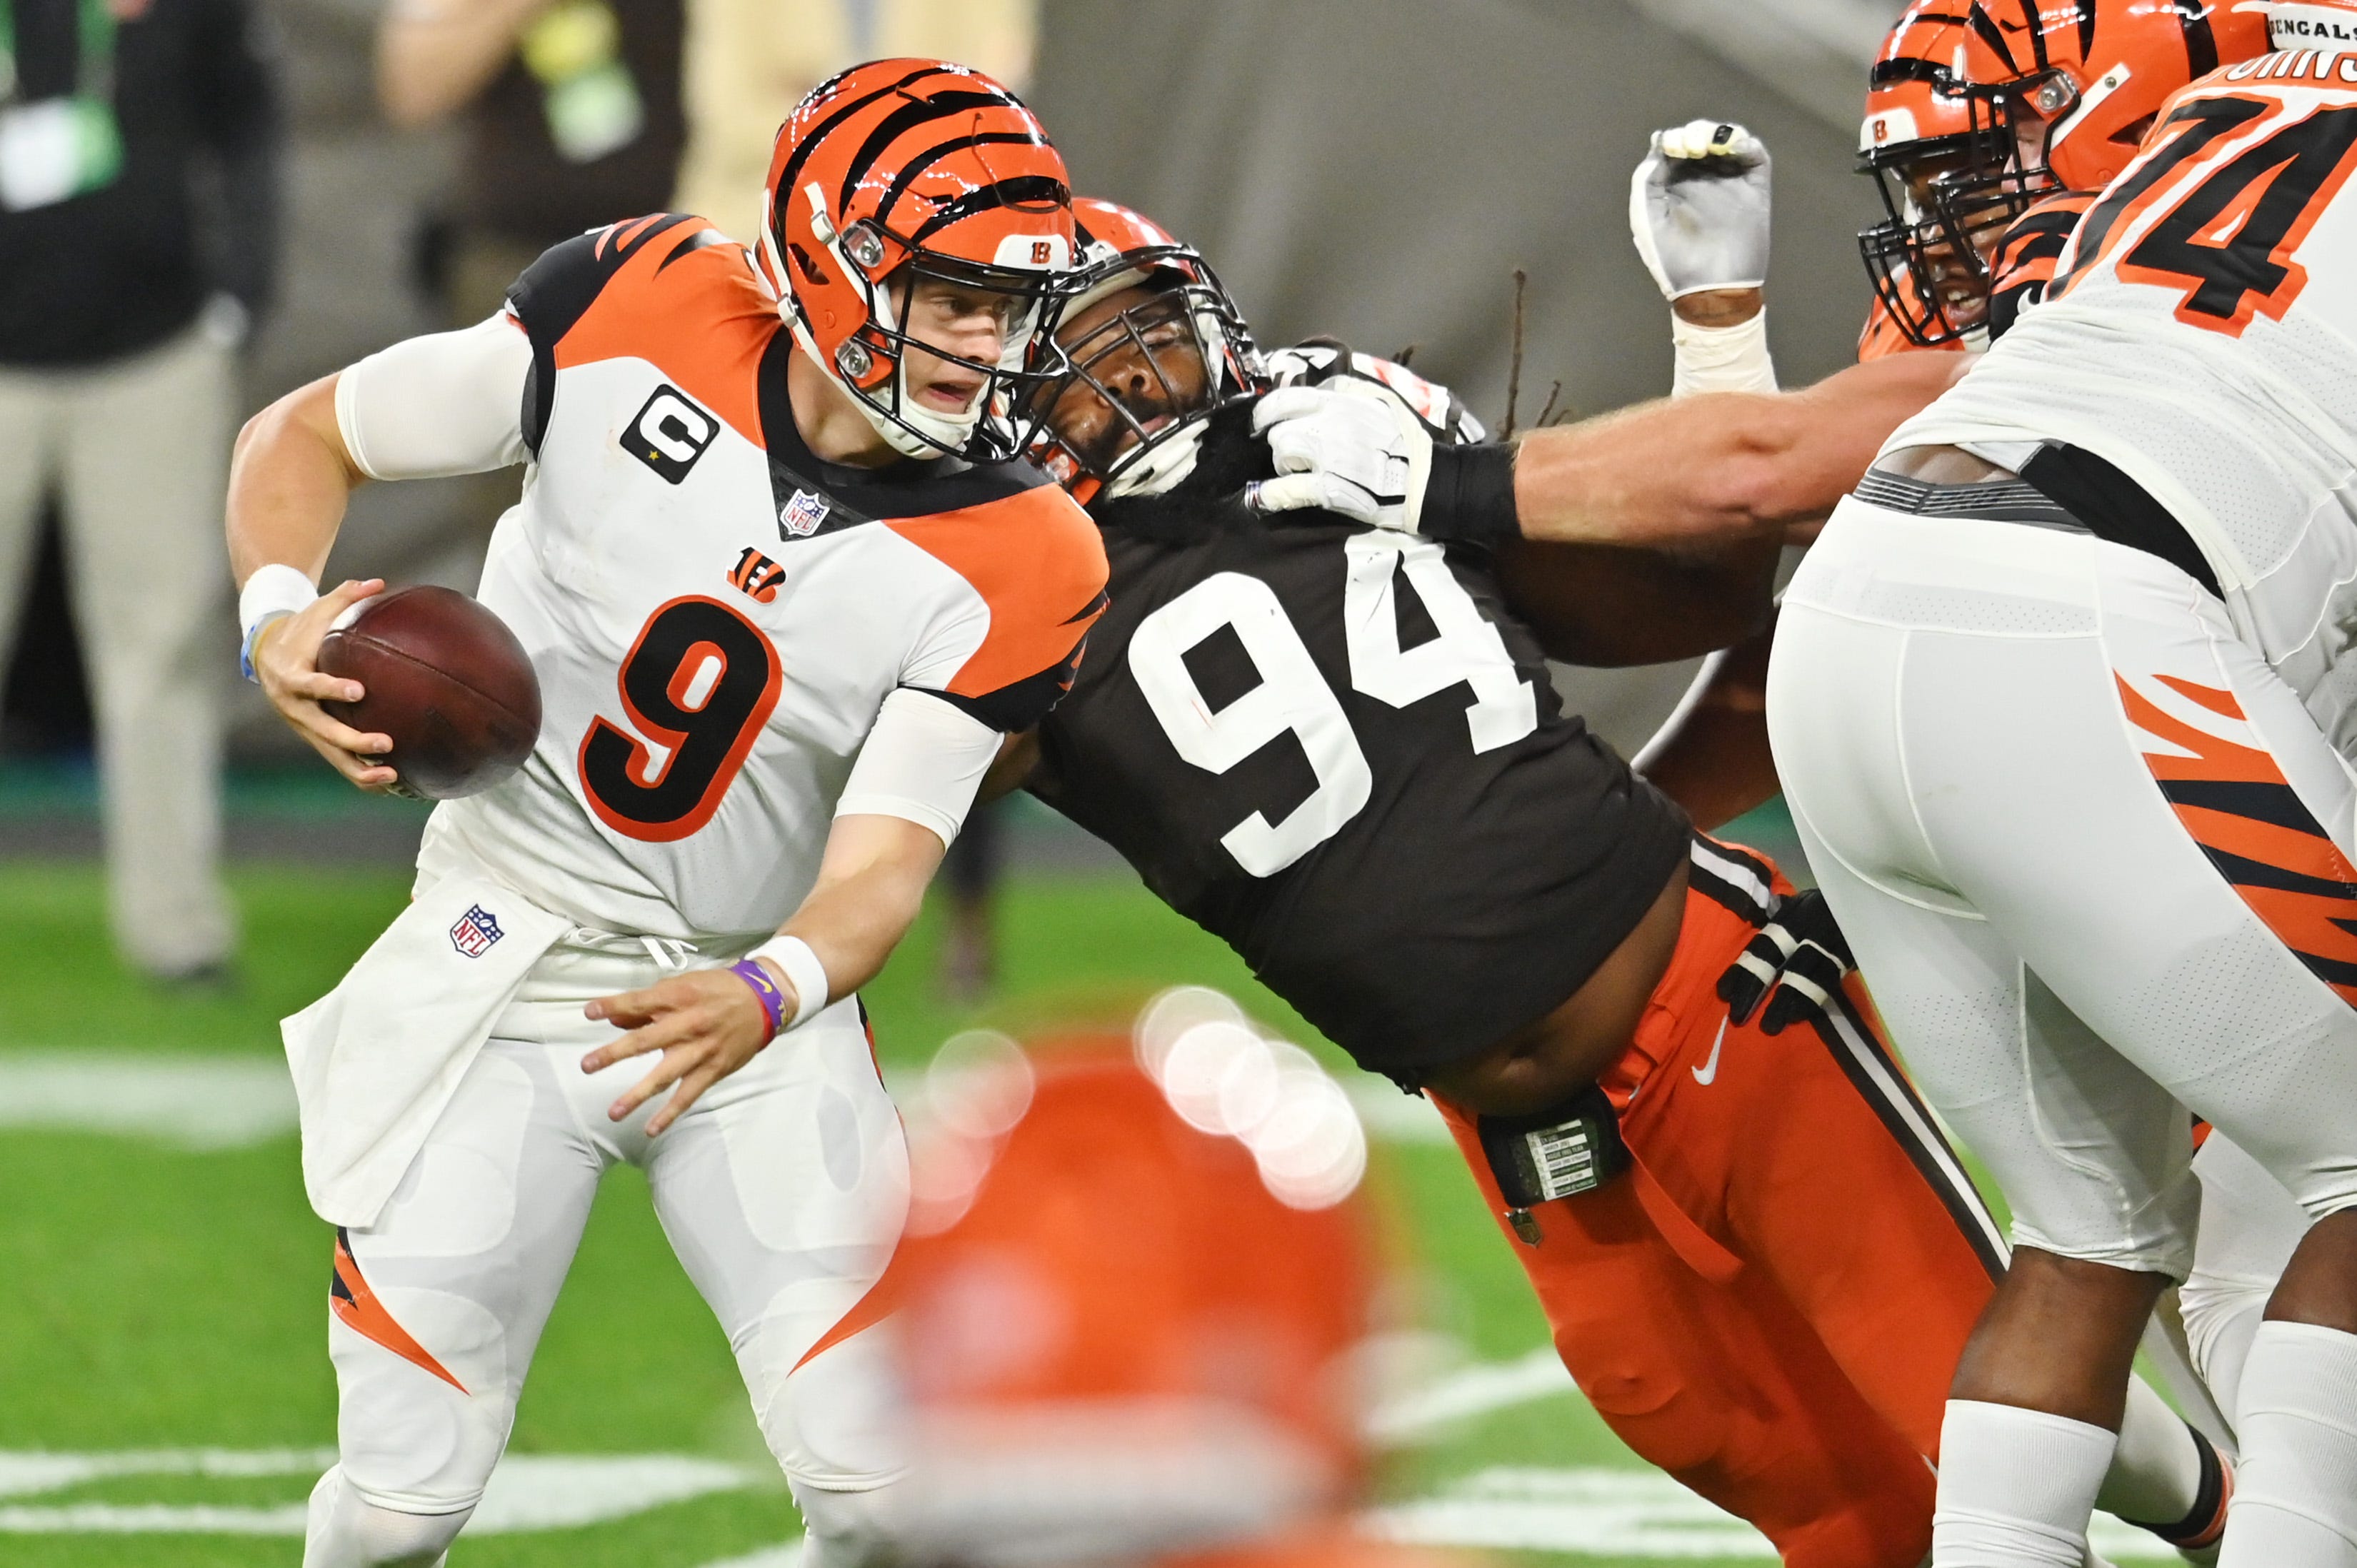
point(756, 576)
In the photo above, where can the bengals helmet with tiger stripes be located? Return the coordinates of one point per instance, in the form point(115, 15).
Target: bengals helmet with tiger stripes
point(1125, 409)
point(2064, 91)
point(1919, 129)
point(902, 170)
point(2077, 85)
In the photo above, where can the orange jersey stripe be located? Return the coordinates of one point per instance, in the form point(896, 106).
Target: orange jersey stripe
point(697, 312)
point(1037, 562)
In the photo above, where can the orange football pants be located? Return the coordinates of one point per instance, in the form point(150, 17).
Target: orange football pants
point(1771, 1305)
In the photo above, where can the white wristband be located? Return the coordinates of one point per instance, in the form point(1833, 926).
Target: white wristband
point(804, 972)
point(1721, 358)
point(272, 591)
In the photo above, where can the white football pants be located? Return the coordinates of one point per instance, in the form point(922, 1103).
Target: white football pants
point(782, 1192)
point(2091, 853)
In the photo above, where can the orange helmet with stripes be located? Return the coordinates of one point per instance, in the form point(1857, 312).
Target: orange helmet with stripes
point(1150, 345)
point(1921, 128)
point(2076, 85)
point(901, 170)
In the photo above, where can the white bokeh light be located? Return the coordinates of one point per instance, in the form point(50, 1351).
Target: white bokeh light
point(1170, 1014)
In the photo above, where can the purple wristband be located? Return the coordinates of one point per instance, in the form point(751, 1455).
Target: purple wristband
point(772, 999)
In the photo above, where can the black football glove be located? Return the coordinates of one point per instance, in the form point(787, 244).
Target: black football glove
point(1795, 964)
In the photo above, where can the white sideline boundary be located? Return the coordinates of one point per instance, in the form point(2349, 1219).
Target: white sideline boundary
point(528, 1491)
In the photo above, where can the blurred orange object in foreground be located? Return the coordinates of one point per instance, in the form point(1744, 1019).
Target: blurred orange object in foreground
point(1118, 1341)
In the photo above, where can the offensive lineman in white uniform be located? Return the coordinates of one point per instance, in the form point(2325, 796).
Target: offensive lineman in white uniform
point(2072, 778)
point(780, 626)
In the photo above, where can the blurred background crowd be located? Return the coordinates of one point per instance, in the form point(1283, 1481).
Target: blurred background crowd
point(265, 190)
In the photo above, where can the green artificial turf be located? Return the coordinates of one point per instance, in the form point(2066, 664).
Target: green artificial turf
point(152, 1297)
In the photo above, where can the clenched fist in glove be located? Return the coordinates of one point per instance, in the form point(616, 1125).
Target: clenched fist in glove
point(1698, 208)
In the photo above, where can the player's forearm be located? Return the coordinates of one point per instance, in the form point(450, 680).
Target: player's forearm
point(1713, 756)
point(1719, 467)
point(434, 56)
point(290, 479)
point(871, 886)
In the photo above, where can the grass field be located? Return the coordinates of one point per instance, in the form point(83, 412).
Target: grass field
point(163, 1391)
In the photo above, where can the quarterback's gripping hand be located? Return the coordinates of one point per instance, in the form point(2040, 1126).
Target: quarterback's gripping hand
point(286, 667)
point(707, 1023)
point(1348, 446)
point(1800, 955)
point(1698, 208)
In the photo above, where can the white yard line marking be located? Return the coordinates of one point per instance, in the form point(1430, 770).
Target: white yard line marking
point(1474, 1390)
point(196, 1101)
point(528, 1492)
point(1627, 1513)
point(776, 1557)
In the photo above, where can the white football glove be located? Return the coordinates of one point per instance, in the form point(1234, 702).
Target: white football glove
point(1698, 208)
point(1348, 446)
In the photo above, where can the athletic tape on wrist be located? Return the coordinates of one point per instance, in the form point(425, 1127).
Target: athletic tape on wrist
point(803, 972)
point(1469, 495)
point(272, 591)
point(1721, 358)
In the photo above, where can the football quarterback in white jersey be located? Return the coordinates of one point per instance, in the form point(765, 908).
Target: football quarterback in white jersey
point(2060, 702)
point(784, 595)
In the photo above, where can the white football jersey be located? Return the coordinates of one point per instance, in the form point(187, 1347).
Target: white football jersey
point(2201, 336)
point(715, 614)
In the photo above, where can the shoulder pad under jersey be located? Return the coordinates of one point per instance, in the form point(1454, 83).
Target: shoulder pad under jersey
point(626, 276)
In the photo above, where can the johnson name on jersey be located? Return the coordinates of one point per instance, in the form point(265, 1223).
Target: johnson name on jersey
point(1335, 748)
point(2200, 336)
point(716, 614)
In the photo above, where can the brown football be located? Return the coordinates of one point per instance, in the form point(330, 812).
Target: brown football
point(446, 679)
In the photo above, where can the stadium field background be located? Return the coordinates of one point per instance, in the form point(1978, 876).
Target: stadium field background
point(165, 1394)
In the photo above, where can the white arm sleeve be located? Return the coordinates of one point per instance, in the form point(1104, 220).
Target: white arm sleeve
point(448, 404)
point(923, 761)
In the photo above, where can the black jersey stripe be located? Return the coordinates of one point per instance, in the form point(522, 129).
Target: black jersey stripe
point(1862, 1058)
point(907, 117)
point(2261, 800)
point(692, 244)
point(1028, 189)
point(933, 155)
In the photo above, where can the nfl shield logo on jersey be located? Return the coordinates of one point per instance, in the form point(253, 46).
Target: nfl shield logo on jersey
point(802, 514)
point(475, 931)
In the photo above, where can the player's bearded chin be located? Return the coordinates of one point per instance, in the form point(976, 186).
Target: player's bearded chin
point(1212, 496)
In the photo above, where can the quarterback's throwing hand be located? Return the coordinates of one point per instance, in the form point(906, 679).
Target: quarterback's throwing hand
point(1342, 449)
point(706, 1024)
point(286, 666)
point(1698, 208)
